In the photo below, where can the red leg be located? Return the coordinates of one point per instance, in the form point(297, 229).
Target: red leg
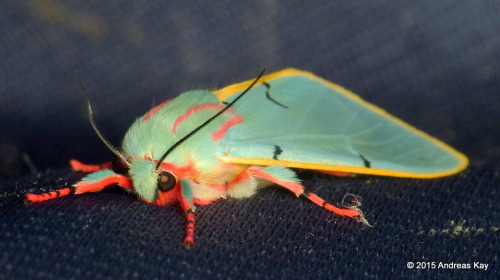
point(78, 166)
point(284, 178)
point(30, 197)
point(288, 183)
point(186, 201)
point(88, 184)
point(352, 212)
point(337, 173)
point(189, 239)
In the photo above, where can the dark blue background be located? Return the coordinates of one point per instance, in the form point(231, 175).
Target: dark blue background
point(434, 64)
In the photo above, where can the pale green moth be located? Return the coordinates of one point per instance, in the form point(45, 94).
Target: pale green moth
point(203, 145)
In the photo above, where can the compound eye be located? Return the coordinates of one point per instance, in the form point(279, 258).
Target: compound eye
point(166, 181)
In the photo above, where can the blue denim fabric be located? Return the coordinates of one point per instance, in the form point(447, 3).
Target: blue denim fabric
point(434, 64)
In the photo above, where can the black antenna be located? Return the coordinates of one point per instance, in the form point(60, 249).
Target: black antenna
point(207, 121)
point(94, 126)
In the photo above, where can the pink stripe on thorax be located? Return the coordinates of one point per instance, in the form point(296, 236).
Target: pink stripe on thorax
point(225, 126)
point(155, 109)
point(194, 109)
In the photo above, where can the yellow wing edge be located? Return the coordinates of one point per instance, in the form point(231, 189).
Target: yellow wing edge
point(226, 92)
point(348, 169)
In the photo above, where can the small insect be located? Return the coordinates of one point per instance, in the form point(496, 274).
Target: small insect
point(206, 145)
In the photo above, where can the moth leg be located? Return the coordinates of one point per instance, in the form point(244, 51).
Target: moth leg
point(286, 178)
point(279, 175)
point(352, 212)
point(79, 166)
point(93, 182)
point(244, 185)
point(189, 239)
point(187, 205)
point(338, 173)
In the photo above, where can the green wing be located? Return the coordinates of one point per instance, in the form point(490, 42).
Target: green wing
point(296, 119)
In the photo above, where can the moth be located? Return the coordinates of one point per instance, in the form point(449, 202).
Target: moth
point(203, 146)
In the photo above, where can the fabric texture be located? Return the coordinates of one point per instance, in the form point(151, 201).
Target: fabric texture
point(434, 64)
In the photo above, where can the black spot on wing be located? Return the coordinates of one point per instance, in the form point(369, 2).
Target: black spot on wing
point(268, 95)
point(268, 86)
point(367, 163)
point(277, 152)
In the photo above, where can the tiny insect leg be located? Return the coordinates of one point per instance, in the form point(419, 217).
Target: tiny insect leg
point(187, 204)
point(286, 178)
point(93, 182)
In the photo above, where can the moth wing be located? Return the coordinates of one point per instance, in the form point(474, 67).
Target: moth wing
point(296, 119)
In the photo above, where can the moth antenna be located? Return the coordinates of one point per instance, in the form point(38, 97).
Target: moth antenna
point(90, 115)
point(194, 131)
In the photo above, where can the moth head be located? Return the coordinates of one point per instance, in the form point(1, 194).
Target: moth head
point(149, 181)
